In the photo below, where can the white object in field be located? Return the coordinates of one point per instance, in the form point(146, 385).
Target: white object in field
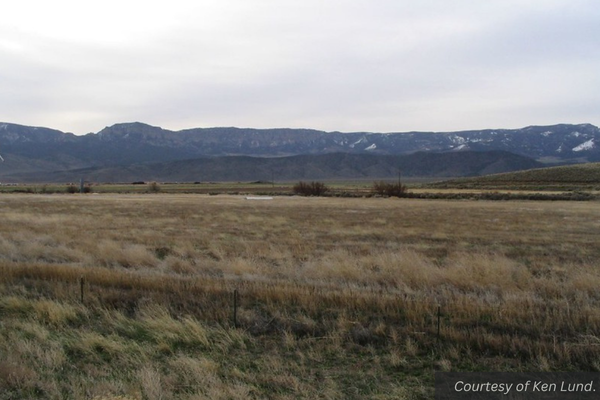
point(1, 159)
point(258, 198)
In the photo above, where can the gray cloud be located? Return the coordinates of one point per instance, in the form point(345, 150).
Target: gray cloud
point(350, 65)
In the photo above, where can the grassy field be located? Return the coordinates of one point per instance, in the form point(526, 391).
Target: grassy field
point(582, 177)
point(454, 189)
point(131, 296)
point(575, 182)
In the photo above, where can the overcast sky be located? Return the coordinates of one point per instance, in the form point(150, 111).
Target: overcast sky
point(346, 65)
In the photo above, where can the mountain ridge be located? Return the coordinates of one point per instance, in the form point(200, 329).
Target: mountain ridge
point(30, 149)
point(561, 140)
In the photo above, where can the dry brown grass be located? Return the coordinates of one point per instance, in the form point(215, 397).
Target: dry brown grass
point(338, 297)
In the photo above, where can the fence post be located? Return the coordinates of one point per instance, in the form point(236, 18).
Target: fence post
point(81, 284)
point(235, 306)
point(439, 317)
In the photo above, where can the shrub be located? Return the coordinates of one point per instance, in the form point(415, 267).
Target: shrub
point(154, 187)
point(72, 189)
point(310, 189)
point(389, 189)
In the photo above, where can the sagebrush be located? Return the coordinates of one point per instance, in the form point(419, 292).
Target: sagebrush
point(313, 188)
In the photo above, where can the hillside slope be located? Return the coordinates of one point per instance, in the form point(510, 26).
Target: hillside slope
point(570, 177)
point(322, 167)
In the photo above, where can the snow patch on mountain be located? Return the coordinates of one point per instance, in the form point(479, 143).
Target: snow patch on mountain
point(458, 139)
point(585, 146)
point(359, 141)
point(371, 147)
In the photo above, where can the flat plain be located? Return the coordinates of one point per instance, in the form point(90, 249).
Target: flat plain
point(131, 296)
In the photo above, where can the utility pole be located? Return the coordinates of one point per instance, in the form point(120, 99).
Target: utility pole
point(399, 177)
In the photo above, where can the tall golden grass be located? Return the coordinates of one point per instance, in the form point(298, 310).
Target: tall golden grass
point(339, 298)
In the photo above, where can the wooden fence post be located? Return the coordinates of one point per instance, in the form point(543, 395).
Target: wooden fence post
point(235, 306)
point(81, 284)
point(439, 317)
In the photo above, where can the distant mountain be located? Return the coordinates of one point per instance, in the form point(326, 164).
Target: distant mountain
point(30, 150)
point(302, 167)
